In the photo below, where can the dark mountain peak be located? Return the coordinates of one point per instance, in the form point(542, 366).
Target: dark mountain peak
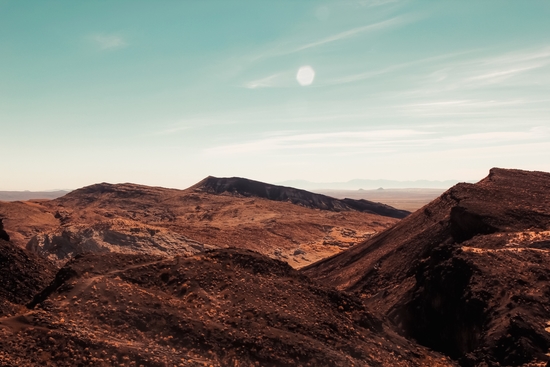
point(250, 188)
point(239, 185)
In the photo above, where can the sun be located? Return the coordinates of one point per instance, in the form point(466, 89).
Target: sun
point(305, 75)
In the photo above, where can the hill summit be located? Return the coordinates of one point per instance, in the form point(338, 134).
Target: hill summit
point(249, 188)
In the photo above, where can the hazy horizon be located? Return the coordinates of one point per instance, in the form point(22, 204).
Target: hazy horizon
point(167, 93)
point(353, 184)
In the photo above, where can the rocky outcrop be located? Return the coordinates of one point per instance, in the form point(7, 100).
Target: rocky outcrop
point(70, 241)
point(468, 275)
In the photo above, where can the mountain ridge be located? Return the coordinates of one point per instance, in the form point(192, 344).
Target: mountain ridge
point(466, 275)
point(249, 188)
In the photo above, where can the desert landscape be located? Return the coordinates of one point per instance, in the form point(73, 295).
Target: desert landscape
point(293, 225)
point(129, 275)
point(236, 183)
point(410, 199)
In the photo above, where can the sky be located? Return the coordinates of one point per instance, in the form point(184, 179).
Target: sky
point(166, 93)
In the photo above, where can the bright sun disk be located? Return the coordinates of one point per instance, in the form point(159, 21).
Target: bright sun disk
point(305, 75)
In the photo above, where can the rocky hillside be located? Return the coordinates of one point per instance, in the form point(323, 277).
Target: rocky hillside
point(468, 275)
point(249, 188)
point(221, 308)
point(131, 218)
point(464, 281)
point(22, 275)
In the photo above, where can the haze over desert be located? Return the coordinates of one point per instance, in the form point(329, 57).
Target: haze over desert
point(351, 183)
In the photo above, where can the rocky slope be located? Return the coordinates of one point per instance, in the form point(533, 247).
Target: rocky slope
point(22, 275)
point(468, 275)
point(131, 218)
point(226, 307)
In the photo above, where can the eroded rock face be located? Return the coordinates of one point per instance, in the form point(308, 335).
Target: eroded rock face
point(468, 275)
point(69, 241)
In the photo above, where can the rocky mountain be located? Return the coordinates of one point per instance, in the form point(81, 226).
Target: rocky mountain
point(463, 281)
point(467, 275)
point(131, 218)
point(225, 307)
point(249, 188)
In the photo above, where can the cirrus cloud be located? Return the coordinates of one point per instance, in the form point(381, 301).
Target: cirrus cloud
point(109, 41)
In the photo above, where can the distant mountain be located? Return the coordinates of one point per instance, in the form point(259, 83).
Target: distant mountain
point(367, 184)
point(468, 275)
point(251, 188)
point(29, 195)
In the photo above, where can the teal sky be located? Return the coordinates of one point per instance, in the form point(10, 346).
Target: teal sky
point(167, 92)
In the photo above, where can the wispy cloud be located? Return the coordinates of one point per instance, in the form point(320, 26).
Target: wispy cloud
point(385, 24)
point(519, 56)
point(461, 104)
point(375, 73)
point(499, 75)
point(363, 76)
point(269, 81)
point(193, 124)
point(499, 111)
point(387, 140)
point(353, 32)
point(343, 139)
point(109, 41)
point(488, 71)
point(374, 3)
